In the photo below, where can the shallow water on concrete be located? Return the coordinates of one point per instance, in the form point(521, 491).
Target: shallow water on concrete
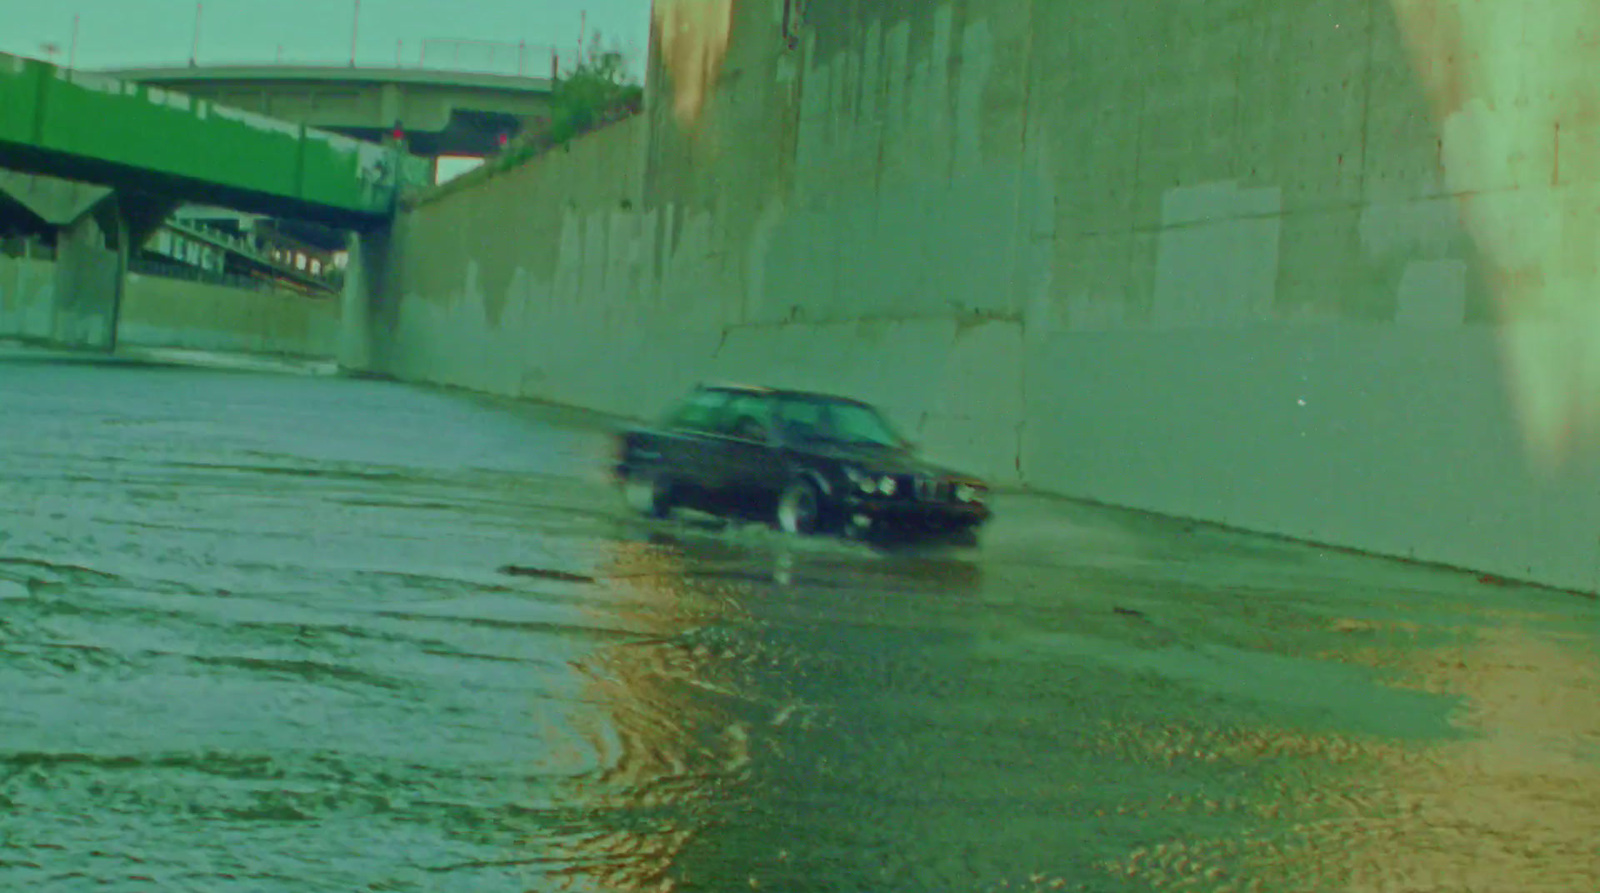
point(268, 632)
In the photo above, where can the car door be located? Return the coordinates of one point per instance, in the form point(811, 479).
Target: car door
point(748, 465)
point(690, 437)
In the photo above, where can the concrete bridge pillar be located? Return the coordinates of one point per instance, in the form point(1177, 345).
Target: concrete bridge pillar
point(96, 233)
point(364, 309)
point(92, 254)
point(91, 269)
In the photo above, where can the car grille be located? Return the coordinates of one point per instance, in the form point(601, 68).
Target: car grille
point(933, 490)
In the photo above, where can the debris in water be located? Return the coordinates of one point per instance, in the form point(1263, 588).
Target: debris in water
point(512, 570)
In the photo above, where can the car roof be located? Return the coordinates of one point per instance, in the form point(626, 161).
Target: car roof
point(764, 391)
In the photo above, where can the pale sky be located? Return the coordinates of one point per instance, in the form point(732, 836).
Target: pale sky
point(117, 33)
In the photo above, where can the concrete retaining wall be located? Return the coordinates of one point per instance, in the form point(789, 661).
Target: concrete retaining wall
point(27, 298)
point(162, 312)
point(1398, 441)
point(1201, 260)
point(89, 277)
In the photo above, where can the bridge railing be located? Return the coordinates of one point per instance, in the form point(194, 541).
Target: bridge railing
point(491, 57)
point(147, 266)
point(514, 59)
point(442, 54)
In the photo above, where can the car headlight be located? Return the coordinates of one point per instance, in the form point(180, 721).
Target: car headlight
point(862, 481)
point(968, 493)
point(887, 486)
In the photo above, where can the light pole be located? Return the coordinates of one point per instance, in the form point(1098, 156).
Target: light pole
point(72, 54)
point(355, 33)
point(194, 51)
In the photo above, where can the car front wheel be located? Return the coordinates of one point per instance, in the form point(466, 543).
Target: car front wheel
point(801, 509)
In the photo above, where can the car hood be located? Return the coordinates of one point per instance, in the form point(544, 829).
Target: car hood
point(883, 461)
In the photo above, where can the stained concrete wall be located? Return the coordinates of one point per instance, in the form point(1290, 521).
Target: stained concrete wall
point(1201, 259)
point(548, 281)
point(89, 281)
point(69, 301)
point(27, 298)
point(162, 312)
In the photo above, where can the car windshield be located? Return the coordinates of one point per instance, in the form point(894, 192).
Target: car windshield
point(834, 421)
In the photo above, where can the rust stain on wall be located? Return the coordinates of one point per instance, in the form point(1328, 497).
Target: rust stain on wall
point(1432, 31)
point(693, 36)
point(1509, 83)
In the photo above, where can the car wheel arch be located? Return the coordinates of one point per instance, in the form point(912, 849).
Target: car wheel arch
point(817, 479)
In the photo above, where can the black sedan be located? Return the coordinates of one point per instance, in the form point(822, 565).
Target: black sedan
point(811, 463)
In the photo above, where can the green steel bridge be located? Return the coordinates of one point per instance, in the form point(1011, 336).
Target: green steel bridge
point(168, 147)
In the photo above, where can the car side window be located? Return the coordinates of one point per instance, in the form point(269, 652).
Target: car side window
point(745, 416)
point(800, 421)
point(699, 412)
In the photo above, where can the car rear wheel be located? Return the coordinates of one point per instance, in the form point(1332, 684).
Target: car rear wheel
point(801, 510)
point(649, 493)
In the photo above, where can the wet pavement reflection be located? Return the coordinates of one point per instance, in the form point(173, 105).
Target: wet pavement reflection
point(280, 632)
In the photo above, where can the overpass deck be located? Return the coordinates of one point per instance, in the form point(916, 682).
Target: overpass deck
point(153, 141)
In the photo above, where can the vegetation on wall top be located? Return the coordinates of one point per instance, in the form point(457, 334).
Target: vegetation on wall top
point(597, 91)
